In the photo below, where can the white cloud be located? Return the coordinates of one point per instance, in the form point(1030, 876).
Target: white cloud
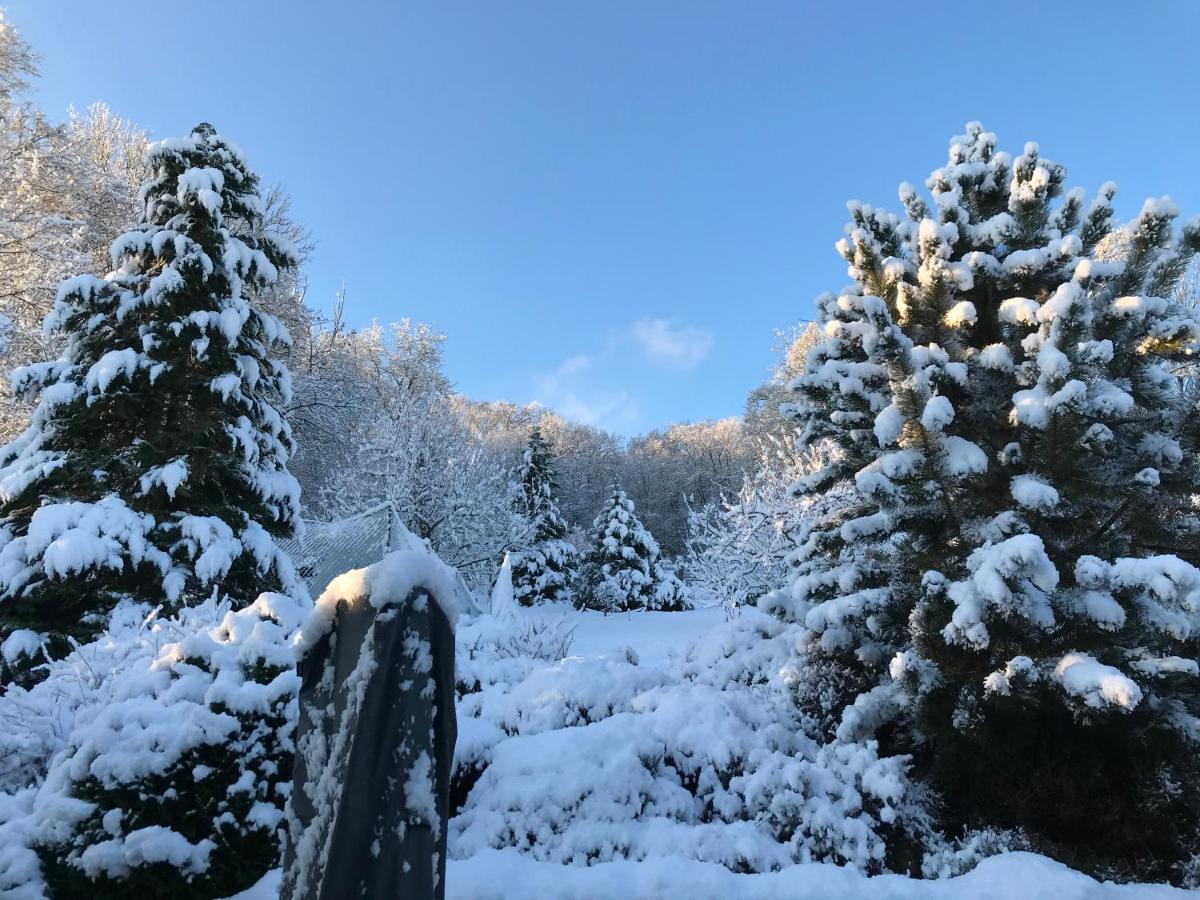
point(566, 390)
point(675, 348)
point(595, 388)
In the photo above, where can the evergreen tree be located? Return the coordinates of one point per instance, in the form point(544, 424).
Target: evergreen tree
point(621, 569)
point(544, 569)
point(1010, 591)
point(152, 482)
point(155, 465)
point(670, 593)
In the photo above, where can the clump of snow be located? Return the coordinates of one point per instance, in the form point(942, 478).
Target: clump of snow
point(1019, 310)
point(1033, 492)
point(938, 413)
point(1007, 578)
point(503, 601)
point(963, 457)
point(1096, 684)
point(21, 642)
point(888, 425)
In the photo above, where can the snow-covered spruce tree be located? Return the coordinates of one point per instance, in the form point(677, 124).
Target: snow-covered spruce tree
point(625, 569)
point(544, 568)
point(152, 479)
point(619, 573)
point(155, 464)
point(1011, 591)
point(671, 593)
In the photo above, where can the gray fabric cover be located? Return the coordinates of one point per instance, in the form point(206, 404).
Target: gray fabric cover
point(362, 832)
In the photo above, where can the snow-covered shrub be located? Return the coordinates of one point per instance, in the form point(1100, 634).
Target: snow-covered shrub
point(738, 548)
point(1012, 589)
point(172, 752)
point(949, 859)
point(591, 759)
point(537, 638)
point(516, 633)
point(36, 722)
point(841, 804)
point(670, 592)
point(572, 691)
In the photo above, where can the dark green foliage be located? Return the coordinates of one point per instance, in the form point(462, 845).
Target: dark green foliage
point(1116, 797)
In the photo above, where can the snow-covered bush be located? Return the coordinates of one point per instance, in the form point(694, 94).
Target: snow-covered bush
point(545, 638)
point(584, 760)
point(949, 859)
point(166, 743)
point(1012, 589)
point(670, 593)
point(739, 548)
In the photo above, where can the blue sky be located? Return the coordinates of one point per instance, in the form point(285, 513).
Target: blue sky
point(611, 206)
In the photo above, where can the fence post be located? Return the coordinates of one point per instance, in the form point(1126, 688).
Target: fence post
point(374, 752)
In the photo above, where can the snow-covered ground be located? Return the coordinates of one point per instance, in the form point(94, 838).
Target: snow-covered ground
point(507, 875)
point(653, 636)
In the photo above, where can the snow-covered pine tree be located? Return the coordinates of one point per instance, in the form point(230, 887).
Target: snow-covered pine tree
point(1011, 591)
point(151, 482)
point(155, 465)
point(544, 569)
point(622, 566)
